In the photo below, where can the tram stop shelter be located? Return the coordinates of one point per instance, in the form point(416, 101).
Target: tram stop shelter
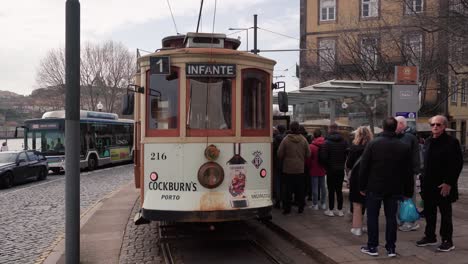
point(335, 91)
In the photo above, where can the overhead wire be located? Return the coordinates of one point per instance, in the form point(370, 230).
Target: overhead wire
point(172, 15)
point(281, 34)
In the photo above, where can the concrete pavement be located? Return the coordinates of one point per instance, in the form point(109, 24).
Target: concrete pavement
point(328, 237)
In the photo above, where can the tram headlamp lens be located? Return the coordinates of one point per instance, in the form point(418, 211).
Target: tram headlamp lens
point(210, 175)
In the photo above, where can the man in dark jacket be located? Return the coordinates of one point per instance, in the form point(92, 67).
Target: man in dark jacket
point(277, 190)
point(333, 157)
point(293, 152)
point(385, 175)
point(443, 163)
point(405, 135)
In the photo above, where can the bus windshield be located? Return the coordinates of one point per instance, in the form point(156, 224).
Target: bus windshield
point(48, 142)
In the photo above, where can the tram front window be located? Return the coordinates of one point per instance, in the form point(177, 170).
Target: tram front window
point(47, 142)
point(210, 103)
point(163, 102)
point(254, 98)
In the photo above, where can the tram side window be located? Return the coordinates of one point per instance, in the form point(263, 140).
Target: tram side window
point(210, 103)
point(254, 98)
point(163, 103)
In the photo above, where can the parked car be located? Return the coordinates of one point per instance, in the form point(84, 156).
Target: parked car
point(20, 166)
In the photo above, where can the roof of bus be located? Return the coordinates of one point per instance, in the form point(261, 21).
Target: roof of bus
point(85, 115)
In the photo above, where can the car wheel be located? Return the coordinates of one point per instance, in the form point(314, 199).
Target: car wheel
point(7, 180)
point(92, 163)
point(42, 174)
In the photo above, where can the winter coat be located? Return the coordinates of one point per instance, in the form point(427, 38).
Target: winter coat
point(443, 163)
point(293, 152)
point(315, 168)
point(355, 152)
point(386, 167)
point(333, 153)
point(408, 138)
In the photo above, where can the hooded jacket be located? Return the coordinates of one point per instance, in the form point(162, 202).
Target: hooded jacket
point(333, 153)
point(293, 152)
point(315, 168)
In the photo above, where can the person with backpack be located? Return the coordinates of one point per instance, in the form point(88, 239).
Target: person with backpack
point(333, 156)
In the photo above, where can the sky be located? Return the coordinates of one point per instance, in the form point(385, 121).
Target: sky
point(30, 29)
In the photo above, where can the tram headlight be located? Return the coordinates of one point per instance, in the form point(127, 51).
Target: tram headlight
point(210, 175)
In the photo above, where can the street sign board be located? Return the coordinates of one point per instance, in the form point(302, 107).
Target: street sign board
point(410, 116)
point(406, 75)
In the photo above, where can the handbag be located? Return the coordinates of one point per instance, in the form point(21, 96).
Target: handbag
point(408, 211)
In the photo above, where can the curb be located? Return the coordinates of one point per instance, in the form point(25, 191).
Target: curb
point(53, 254)
point(309, 250)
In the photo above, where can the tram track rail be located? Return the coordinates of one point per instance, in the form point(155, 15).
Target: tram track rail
point(212, 245)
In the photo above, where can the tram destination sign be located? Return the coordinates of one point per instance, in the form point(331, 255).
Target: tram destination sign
point(210, 70)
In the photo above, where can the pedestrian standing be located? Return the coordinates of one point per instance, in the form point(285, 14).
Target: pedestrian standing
point(316, 172)
point(293, 152)
point(277, 138)
point(385, 174)
point(333, 157)
point(362, 136)
point(443, 162)
point(405, 135)
point(4, 147)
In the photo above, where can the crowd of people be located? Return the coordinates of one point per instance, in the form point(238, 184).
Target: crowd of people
point(388, 168)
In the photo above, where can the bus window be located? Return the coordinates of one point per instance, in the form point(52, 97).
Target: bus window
point(210, 103)
point(47, 141)
point(163, 102)
point(255, 94)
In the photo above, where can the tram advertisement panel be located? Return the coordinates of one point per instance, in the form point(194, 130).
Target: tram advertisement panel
point(172, 176)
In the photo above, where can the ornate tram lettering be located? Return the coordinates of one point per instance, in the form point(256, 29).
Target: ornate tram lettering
point(173, 186)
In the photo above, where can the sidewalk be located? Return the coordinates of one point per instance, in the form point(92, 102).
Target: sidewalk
point(102, 232)
point(332, 241)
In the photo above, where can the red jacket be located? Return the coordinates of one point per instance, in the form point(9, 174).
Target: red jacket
point(315, 169)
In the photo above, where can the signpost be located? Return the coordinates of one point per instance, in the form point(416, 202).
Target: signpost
point(405, 94)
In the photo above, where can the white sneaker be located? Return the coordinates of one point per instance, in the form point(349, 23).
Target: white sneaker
point(329, 213)
point(314, 207)
point(356, 231)
point(406, 227)
point(364, 229)
point(324, 206)
point(339, 212)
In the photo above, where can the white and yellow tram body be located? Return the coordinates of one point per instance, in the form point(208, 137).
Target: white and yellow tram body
point(205, 131)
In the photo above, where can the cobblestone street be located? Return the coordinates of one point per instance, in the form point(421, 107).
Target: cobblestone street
point(33, 214)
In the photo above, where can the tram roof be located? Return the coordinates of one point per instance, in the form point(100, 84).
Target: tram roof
point(336, 90)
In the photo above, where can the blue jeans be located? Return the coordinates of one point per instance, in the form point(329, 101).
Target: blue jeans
point(373, 203)
point(318, 182)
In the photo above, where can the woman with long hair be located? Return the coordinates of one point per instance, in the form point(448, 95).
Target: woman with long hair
point(362, 136)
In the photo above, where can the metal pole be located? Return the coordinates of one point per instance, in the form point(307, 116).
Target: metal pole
point(255, 51)
point(72, 132)
point(247, 49)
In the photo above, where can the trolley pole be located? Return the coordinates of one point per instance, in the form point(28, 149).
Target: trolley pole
point(72, 132)
point(255, 50)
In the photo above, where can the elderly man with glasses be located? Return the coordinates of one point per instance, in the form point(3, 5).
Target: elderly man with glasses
point(443, 163)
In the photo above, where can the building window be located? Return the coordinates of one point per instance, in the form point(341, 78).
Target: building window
point(464, 91)
point(370, 8)
point(456, 7)
point(369, 52)
point(454, 91)
point(459, 49)
point(413, 48)
point(327, 10)
point(414, 6)
point(326, 54)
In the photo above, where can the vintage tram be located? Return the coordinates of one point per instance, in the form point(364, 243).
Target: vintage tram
point(203, 131)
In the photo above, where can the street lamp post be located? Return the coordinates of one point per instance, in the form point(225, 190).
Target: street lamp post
point(247, 38)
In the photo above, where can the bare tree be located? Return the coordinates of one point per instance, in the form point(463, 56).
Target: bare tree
point(105, 70)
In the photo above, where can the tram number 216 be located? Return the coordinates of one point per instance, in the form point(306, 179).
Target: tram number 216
point(158, 156)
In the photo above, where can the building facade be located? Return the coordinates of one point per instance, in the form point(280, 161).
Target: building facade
point(365, 40)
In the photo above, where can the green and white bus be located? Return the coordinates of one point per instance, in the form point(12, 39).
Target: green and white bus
point(104, 138)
